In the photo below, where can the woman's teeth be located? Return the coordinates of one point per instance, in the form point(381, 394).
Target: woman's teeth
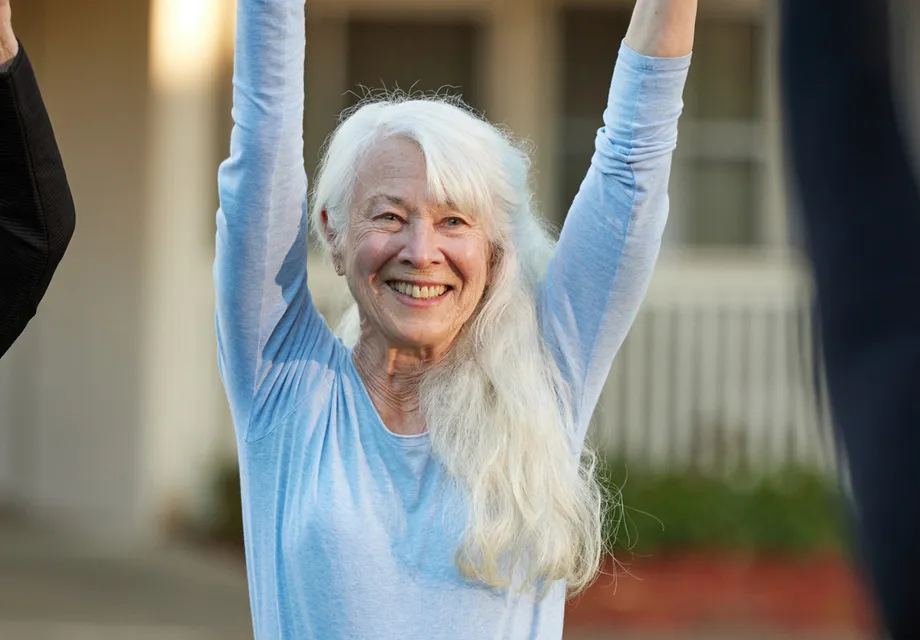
point(416, 291)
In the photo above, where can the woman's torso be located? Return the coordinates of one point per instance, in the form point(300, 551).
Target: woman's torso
point(352, 530)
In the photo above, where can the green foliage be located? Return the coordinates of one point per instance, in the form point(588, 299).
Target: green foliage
point(793, 511)
point(226, 526)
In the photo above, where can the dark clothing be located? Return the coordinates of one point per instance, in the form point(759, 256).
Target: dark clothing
point(36, 207)
point(861, 213)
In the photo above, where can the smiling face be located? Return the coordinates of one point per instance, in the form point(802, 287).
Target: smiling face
point(416, 267)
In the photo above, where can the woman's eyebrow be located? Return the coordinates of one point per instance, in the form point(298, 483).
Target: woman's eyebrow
point(394, 200)
point(375, 200)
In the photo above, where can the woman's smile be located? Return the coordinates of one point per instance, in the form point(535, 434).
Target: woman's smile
point(419, 294)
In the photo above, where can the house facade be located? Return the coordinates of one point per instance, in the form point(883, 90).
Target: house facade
point(112, 416)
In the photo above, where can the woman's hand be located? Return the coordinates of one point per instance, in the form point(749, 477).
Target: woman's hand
point(662, 28)
point(8, 45)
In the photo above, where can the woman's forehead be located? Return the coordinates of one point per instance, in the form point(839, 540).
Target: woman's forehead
point(394, 151)
point(395, 172)
point(391, 169)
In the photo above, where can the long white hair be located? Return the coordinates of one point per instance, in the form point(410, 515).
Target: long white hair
point(497, 409)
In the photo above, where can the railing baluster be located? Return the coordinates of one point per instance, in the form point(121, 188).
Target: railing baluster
point(719, 373)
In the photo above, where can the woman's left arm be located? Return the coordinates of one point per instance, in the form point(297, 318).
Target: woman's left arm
point(662, 28)
point(603, 263)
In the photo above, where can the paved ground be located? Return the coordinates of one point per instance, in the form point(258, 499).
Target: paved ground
point(54, 588)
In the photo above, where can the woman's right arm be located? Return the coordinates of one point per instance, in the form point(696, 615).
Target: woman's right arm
point(614, 226)
point(266, 322)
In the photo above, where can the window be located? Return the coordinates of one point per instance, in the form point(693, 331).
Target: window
point(721, 143)
point(414, 55)
point(718, 167)
point(590, 42)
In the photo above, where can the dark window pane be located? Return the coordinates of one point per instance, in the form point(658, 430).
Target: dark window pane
point(722, 195)
point(415, 55)
point(590, 41)
point(725, 78)
point(724, 210)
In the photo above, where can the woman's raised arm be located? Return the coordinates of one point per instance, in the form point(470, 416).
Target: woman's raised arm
point(662, 28)
point(609, 245)
point(266, 322)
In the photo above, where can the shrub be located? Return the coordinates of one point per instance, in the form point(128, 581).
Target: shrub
point(794, 511)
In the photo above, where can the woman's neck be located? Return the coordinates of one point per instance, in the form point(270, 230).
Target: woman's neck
point(391, 376)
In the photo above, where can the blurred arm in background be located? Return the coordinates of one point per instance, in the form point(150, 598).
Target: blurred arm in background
point(861, 213)
point(36, 207)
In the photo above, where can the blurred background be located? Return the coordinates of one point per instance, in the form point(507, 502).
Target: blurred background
point(119, 496)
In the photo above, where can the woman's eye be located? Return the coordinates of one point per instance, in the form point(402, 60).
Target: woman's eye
point(454, 222)
point(390, 217)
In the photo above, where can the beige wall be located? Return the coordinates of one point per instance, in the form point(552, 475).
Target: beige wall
point(112, 414)
point(115, 414)
point(185, 423)
point(111, 411)
point(75, 382)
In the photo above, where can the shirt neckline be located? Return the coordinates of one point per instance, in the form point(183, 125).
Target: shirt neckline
point(414, 440)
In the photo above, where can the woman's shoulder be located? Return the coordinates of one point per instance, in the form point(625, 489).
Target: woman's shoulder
point(304, 394)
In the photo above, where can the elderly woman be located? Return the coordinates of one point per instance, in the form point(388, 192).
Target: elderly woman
point(424, 476)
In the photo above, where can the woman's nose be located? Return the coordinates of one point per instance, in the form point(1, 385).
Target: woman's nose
point(421, 248)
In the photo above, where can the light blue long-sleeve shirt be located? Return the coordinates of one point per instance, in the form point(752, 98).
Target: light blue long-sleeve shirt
point(351, 530)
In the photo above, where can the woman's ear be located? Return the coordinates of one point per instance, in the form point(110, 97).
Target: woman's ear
point(494, 259)
point(337, 263)
point(332, 239)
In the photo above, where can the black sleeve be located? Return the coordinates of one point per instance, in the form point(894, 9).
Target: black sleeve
point(861, 215)
point(36, 207)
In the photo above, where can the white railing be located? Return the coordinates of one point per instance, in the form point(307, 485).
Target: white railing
point(718, 371)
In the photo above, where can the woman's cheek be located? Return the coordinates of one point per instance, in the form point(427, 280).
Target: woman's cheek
point(371, 251)
point(473, 257)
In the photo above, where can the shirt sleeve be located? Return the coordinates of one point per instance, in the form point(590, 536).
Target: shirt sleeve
point(37, 215)
point(267, 324)
point(609, 244)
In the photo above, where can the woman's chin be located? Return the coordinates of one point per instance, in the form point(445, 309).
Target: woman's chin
point(422, 341)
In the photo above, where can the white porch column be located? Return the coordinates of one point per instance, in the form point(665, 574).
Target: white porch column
point(522, 80)
point(73, 414)
point(182, 411)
